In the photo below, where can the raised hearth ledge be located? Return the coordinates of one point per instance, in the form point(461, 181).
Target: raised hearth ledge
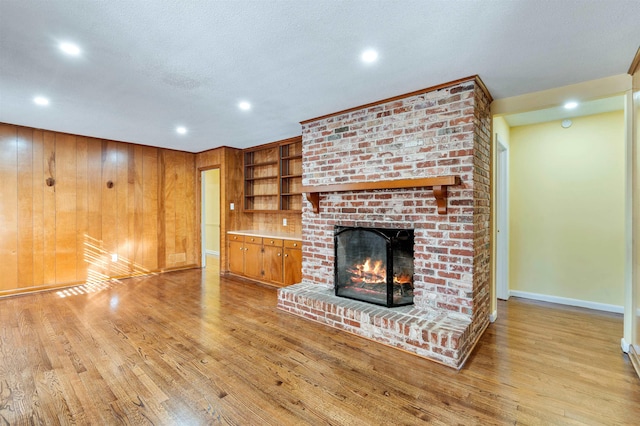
point(438, 183)
point(437, 335)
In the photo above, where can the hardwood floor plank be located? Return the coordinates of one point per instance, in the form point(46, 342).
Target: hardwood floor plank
point(191, 347)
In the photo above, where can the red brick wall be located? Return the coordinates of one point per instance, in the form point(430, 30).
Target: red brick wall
point(482, 213)
point(441, 132)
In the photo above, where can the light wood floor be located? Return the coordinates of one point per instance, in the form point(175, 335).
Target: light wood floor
point(192, 348)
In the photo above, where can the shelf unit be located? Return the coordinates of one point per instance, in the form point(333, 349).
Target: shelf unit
point(291, 176)
point(261, 179)
point(273, 177)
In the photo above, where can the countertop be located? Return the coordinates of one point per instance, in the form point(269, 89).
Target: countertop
point(267, 234)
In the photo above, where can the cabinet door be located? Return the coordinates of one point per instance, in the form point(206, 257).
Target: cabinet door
point(253, 260)
point(273, 264)
point(236, 257)
point(292, 265)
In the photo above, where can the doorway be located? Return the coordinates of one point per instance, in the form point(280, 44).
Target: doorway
point(210, 218)
point(560, 207)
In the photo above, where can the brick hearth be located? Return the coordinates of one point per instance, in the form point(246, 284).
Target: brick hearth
point(436, 132)
point(435, 334)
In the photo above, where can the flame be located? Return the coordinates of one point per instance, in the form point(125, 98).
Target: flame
point(402, 279)
point(369, 272)
point(374, 272)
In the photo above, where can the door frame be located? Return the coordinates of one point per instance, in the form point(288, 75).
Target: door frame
point(502, 220)
point(203, 221)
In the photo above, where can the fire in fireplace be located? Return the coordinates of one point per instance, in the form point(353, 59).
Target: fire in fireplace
point(374, 265)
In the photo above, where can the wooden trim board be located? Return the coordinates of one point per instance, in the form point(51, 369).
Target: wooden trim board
point(438, 183)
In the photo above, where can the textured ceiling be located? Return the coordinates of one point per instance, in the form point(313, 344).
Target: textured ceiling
point(149, 66)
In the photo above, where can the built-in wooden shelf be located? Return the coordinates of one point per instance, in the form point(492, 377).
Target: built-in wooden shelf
point(438, 183)
point(261, 178)
point(273, 176)
point(264, 163)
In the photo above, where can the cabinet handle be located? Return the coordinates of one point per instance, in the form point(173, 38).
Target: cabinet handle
point(286, 255)
point(241, 248)
point(279, 255)
point(295, 244)
point(271, 241)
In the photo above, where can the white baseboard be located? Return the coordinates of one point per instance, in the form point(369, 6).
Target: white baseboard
point(624, 345)
point(212, 252)
point(493, 316)
point(635, 359)
point(568, 301)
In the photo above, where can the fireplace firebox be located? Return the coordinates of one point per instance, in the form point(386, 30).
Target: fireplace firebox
point(374, 265)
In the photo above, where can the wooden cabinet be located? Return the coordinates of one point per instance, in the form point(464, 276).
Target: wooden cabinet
point(236, 254)
point(292, 262)
point(253, 257)
point(273, 176)
point(270, 260)
point(273, 260)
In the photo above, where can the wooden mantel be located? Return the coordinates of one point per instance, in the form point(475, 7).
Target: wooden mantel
point(438, 183)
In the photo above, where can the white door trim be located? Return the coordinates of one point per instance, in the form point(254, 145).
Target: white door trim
point(203, 218)
point(502, 221)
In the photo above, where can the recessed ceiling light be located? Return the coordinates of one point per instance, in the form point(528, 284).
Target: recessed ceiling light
point(369, 56)
point(571, 105)
point(181, 130)
point(69, 48)
point(244, 105)
point(41, 100)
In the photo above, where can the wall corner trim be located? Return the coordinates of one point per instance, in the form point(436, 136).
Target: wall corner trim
point(635, 64)
point(624, 345)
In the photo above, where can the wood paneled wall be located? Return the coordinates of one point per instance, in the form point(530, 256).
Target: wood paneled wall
point(272, 222)
point(67, 233)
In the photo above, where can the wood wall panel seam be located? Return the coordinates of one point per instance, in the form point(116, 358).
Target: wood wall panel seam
point(9, 206)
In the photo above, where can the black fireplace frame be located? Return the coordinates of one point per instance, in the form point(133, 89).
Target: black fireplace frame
point(392, 238)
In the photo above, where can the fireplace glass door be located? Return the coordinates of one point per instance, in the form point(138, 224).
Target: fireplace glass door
point(374, 265)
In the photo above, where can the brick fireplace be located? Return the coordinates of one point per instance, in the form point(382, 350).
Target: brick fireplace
point(438, 132)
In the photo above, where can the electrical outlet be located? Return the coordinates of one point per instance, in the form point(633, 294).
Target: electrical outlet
point(114, 257)
point(284, 221)
point(232, 206)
